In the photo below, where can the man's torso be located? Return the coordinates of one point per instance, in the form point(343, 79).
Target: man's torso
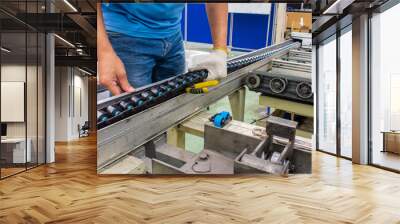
point(143, 19)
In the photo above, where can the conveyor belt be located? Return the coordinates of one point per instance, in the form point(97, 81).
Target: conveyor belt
point(117, 139)
point(116, 108)
point(238, 63)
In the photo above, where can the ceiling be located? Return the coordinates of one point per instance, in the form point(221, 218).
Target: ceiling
point(332, 15)
point(74, 22)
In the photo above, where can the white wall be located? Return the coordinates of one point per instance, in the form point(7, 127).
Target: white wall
point(15, 73)
point(80, 110)
point(12, 101)
point(71, 103)
point(33, 126)
point(253, 8)
point(61, 104)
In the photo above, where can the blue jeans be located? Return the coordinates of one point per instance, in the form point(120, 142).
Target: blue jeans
point(149, 60)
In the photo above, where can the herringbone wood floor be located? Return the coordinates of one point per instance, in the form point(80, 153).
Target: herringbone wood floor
point(69, 191)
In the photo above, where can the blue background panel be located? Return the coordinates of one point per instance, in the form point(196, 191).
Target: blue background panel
point(249, 31)
point(197, 24)
point(199, 11)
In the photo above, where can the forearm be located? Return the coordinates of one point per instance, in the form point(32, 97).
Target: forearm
point(218, 19)
point(103, 44)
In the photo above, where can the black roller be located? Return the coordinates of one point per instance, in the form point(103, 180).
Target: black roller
point(277, 85)
point(203, 74)
point(113, 111)
point(165, 88)
point(146, 96)
point(253, 81)
point(156, 92)
point(137, 101)
point(101, 116)
point(126, 105)
point(173, 84)
point(181, 81)
point(304, 90)
point(190, 78)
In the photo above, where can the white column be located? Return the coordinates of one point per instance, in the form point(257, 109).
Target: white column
point(50, 98)
point(360, 90)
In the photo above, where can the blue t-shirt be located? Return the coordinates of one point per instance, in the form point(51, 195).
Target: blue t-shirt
point(146, 20)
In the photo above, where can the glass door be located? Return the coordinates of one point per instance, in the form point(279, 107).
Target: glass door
point(14, 153)
point(326, 60)
point(385, 90)
point(23, 88)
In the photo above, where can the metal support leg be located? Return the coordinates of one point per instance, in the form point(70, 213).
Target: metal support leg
point(237, 101)
point(176, 137)
point(150, 149)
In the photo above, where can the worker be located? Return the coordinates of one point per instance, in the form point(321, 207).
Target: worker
point(139, 44)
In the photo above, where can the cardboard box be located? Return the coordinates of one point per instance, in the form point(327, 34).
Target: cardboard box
point(299, 21)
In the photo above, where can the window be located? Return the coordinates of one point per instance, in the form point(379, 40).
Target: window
point(346, 93)
point(22, 77)
point(327, 96)
point(385, 89)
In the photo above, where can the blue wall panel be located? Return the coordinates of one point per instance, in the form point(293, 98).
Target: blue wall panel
point(197, 27)
point(249, 31)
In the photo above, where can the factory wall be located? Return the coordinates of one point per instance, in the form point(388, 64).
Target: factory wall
point(241, 35)
point(71, 102)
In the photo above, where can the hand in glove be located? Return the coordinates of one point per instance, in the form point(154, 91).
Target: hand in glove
point(215, 63)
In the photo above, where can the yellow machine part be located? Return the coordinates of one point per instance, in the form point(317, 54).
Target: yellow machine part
point(201, 87)
point(206, 84)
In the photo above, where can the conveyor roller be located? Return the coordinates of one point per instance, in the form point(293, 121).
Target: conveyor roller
point(130, 103)
point(119, 107)
point(238, 63)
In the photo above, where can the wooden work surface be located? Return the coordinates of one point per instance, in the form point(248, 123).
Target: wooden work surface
point(195, 125)
point(291, 107)
point(287, 105)
point(70, 191)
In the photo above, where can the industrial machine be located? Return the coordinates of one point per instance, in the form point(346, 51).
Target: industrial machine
point(281, 85)
point(134, 124)
point(231, 150)
point(286, 87)
point(288, 77)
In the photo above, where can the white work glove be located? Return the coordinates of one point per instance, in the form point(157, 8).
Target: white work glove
point(215, 63)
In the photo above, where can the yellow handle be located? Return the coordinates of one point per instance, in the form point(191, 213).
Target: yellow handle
point(206, 84)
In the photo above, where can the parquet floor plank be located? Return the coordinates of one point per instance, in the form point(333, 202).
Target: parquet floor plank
point(70, 191)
